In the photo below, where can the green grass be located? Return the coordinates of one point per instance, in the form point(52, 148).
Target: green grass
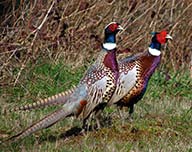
point(162, 119)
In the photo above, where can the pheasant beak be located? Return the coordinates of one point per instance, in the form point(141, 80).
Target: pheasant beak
point(120, 28)
point(168, 37)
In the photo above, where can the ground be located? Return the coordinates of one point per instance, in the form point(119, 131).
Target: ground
point(162, 119)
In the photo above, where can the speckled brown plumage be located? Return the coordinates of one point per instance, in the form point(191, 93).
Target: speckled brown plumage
point(145, 64)
point(96, 87)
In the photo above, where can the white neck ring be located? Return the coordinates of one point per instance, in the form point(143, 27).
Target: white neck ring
point(109, 46)
point(154, 52)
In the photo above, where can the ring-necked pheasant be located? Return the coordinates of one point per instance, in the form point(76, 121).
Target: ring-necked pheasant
point(135, 72)
point(96, 87)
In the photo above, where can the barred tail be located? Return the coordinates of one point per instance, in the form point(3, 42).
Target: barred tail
point(43, 123)
point(53, 100)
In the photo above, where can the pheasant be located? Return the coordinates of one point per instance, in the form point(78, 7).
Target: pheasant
point(96, 87)
point(135, 72)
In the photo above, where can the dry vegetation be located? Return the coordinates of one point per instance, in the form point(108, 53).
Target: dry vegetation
point(72, 30)
point(39, 38)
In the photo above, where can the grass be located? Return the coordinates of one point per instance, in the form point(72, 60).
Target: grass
point(162, 119)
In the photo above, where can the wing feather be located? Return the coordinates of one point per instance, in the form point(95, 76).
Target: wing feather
point(95, 96)
point(126, 82)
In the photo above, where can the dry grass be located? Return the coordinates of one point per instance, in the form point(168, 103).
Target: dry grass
point(72, 31)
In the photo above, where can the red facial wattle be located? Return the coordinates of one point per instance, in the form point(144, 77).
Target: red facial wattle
point(161, 37)
point(113, 27)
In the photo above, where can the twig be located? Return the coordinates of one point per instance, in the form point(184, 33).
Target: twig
point(144, 13)
point(45, 18)
point(172, 7)
point(36, 32)
point(184, 11)
point(40, 26)
point(191, 66)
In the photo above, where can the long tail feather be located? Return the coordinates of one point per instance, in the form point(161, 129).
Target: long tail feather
point(53, 100)
point(43, 123)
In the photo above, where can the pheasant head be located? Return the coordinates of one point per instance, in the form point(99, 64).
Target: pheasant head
point(110, 35)
point(158, 39)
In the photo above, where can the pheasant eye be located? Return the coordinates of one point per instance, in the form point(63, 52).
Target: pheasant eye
point(113, 27)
